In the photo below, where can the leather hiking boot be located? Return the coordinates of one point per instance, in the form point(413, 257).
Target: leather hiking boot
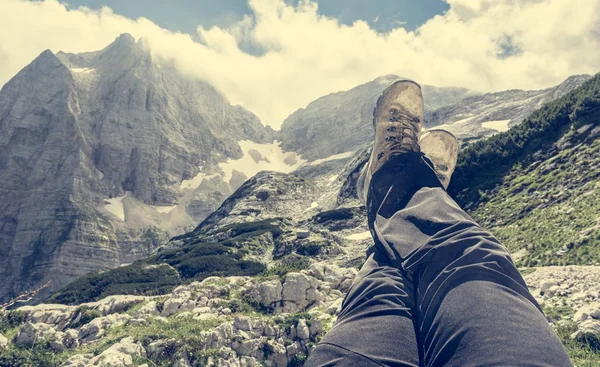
point(398, 121)
point(441, 147)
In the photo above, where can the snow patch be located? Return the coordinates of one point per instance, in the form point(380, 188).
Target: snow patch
point(194, 182)
point(313, 205)
point(331, 158)
point(359, 236)
point(500, 125)
point(164, 209)
point(115, 206)
point(445, 126)
point(82, 70)
point(276, 160)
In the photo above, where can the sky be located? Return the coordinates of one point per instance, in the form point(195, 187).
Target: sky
point(275, 56)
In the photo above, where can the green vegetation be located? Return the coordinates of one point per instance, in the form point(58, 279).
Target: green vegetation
point(338, 219)
point(583, 353)
point(186, 334)
point(551, 214)
point(10, 320)
point(289, 264)
point(149, 277)
point(39, 355)
point(137, 278)
point(484, 164)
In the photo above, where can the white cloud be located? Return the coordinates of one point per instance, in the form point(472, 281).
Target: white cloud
point(307, 55)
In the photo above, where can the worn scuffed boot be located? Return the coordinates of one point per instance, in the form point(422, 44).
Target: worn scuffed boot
point(398, 122)
point(441, 147)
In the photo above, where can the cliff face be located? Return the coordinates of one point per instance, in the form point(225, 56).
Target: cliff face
point(102, 157)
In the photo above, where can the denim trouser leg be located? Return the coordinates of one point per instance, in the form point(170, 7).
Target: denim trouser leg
point(469, 304)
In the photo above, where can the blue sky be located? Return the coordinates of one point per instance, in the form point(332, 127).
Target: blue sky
point(186, 15)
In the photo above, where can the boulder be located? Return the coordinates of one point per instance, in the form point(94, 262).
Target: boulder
point(179, 302)
point(3, 342)
point(31, 333)
point(149, 309)
point(58, 316)
point(295, 287)
point(96, 328)
point(270, 292)
point(119, 355)
point(115, 304)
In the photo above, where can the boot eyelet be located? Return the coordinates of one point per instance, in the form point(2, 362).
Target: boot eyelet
point(380, 155)
point(391, 129)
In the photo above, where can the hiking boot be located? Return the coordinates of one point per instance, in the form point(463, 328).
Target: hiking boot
point(441, 147)
point(398, 121)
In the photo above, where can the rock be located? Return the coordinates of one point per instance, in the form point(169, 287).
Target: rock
point(270, 292)
point(149, 309)
point(78, 360)
point(179, 302)
point(302, 330)
point(591, 311)
point(3, 342)
point(119, 355)
point(226, 311)
point(316, 327)
point(114, 304)
point(70, 338)
point(242, 323)
point(295, 287)
point(248, 347)
point(156, 350)
point(587, 328)
point(199, 310)
point(277, 354)
point(96, 328)
point(58, 316)
point(31, 333)
point(547, 285)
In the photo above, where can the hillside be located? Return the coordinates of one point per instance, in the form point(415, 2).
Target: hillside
point(260, 280)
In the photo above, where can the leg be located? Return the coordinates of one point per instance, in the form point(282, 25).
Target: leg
point(375, 326)
point(473, 307)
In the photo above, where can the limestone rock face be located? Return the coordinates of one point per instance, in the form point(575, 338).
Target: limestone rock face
point(100, 157)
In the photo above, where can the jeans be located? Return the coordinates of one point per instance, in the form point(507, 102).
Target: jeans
point(436, 288)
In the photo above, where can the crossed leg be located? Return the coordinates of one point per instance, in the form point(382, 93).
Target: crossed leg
point(439, 290)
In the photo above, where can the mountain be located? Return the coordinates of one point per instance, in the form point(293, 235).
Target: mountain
point(105, 154)
point(483, 115)
point(261, 279)
point(112, 153)
point(340, 122)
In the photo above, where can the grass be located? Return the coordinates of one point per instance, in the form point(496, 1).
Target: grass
point(187, 333)
point(553, 214)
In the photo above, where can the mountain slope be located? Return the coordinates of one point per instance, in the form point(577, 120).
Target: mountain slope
point(99, 161)
point(342, 122)
point(291, 244)
point(537, 186)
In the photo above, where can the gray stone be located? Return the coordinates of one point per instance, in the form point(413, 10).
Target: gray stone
point(120, 354)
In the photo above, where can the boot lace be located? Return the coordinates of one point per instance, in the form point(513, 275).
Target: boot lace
point(402, 136)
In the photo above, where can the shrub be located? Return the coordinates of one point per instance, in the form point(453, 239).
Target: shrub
point(137, 278)
point(11, 320)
